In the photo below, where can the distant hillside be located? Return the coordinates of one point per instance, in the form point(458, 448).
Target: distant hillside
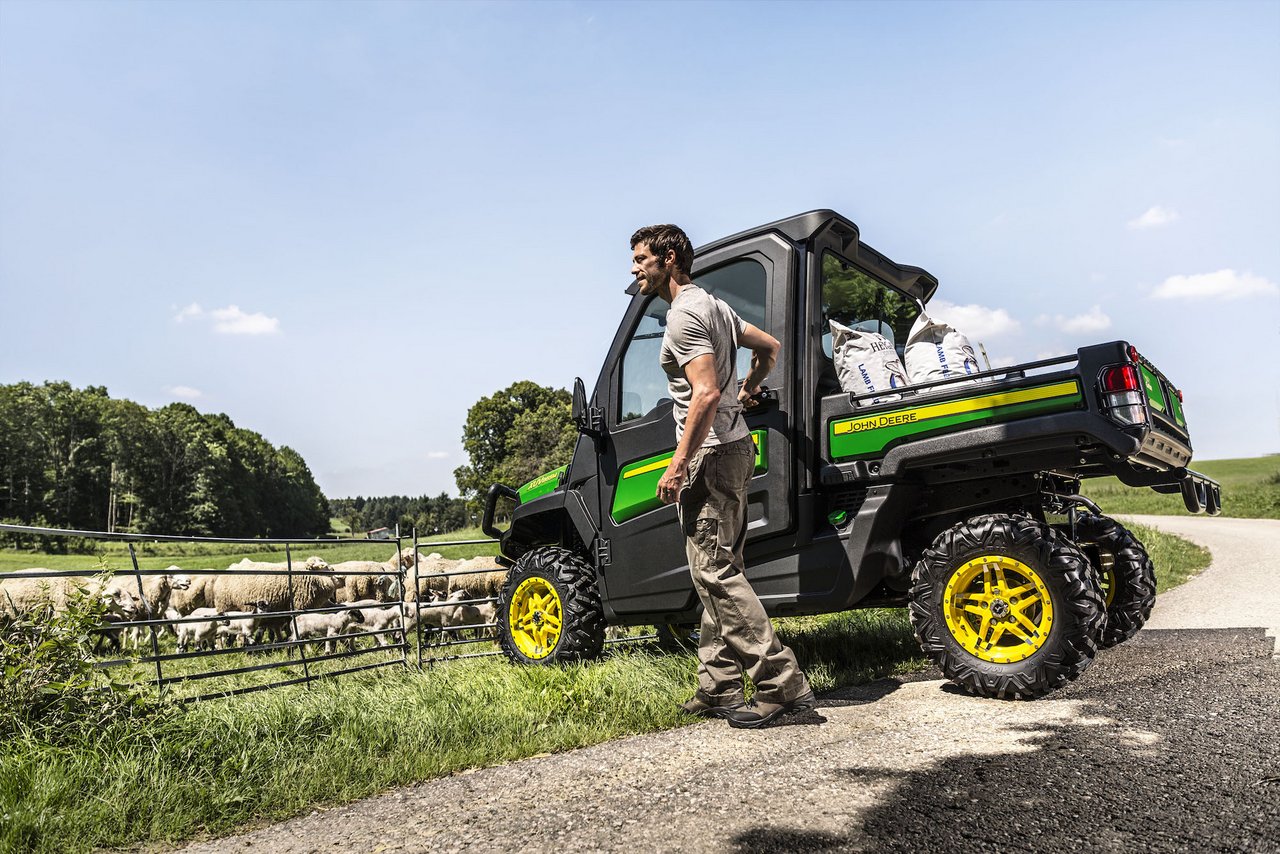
point(1250, 490)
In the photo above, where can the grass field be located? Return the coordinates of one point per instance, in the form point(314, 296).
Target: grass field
point(153, 555)
point(1250, 490)
point(209, 768)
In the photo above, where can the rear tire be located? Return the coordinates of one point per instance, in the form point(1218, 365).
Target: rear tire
point(549, 609)
point(1125, 572)
point(1006, 607)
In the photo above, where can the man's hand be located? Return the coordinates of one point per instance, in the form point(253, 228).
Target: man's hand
point(747, 397)
point(672, 481)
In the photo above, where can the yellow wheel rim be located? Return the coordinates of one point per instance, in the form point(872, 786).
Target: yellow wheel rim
point(1107, 579)
point(998, 609)
point(535, 617)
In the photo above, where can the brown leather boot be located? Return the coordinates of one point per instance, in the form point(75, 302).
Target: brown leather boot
point(758, 713)
point(706, 707)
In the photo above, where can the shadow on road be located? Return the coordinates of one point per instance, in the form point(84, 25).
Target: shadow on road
point(1177, 749)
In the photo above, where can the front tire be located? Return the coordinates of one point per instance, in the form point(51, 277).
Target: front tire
point(1006, 607)
point(1125, 571)
point(549, 609)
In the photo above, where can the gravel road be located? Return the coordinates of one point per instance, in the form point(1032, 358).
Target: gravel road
point(1170, 742)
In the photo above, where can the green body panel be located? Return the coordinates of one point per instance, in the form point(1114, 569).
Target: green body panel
point(637, 490)
point(1155, 391)
point(542, 484)
point(883, 429)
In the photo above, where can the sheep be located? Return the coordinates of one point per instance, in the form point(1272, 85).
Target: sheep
point(469, 612)
point(195, 595)
point(484, 577)
point(157, 590)
point(431, 577)
point(380, 617)
point(238, 591)
point(22, 597)
point(241, 625)
point(201, 635)
point(383, 587)
point(324, 625)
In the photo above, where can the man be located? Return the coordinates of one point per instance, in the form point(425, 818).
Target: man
point(708, 476)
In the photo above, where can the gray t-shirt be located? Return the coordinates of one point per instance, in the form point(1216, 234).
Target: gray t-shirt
point(699, 323)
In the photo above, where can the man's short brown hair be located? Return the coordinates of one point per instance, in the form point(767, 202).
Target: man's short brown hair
point(666, 238)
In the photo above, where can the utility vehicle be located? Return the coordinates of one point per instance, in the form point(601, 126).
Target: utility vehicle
point(960, 500)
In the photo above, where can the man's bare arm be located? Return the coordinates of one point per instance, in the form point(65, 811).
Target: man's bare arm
point(700, 371)
point(764, 355)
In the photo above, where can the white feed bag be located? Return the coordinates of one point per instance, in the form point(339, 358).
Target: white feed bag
point(866, 362)
point(938, 351)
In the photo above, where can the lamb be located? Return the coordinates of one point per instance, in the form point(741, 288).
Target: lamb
point(239, 591)
point(22, 597)
point(469, 612)
point(241, 625)
point(201, 635)
point(328, 625)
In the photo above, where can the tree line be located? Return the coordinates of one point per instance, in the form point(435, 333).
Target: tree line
point(78, 458)
point(427, 515)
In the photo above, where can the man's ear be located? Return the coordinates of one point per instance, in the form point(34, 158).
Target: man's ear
point(669, 260)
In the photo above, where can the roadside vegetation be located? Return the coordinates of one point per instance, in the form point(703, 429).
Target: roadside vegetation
point(147, 773)
point(1250, 490)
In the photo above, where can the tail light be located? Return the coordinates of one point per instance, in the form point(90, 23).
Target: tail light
point(1122, 395)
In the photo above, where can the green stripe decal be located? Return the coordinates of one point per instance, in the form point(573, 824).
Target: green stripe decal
point(1155, 393)
point(543, 484)
point(871, 434)
point(637, 490)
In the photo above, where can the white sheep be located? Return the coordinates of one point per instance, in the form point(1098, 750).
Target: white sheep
point(241, 625)
point(22, 597)
point(238, 591)
point(328, 625)
point(200, 635)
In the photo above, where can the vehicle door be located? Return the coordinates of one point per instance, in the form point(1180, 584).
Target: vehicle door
point(647, 571)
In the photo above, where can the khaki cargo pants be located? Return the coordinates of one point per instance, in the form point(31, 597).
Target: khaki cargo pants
point(736, 635)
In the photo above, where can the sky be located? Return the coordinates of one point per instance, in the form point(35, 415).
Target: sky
point(344, 223)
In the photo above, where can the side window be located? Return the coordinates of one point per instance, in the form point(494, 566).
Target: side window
point(743, 284)
point(855, 299)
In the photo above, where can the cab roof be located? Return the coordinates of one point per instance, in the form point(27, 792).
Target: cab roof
point(916, 282)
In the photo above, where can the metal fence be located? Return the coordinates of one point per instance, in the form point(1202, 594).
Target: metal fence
point(436, 620)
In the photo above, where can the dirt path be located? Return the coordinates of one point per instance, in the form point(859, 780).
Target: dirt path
point(1240, 588)
point(1170, 742)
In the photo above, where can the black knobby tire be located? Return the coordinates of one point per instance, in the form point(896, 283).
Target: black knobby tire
point(1128, 577)
point(1070, 602)
point(581, 635)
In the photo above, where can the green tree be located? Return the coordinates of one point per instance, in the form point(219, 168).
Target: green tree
point(514, 435)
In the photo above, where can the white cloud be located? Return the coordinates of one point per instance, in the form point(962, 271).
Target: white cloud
point(1224, 285)
point(192, 311)
point(1155, 217)
point(437, 455)
point(976, 321)
point(233, 321)
point(185, 392)
point(1094, 320)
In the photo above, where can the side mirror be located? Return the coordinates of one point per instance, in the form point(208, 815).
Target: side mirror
point(588, 419)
